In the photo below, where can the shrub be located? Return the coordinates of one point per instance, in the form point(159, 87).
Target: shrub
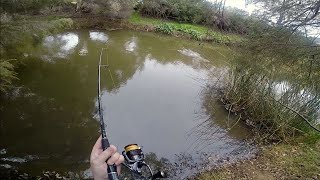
point(165, 28)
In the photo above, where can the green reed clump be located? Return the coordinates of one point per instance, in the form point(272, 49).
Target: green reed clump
point(275, 85)
point(278, 107)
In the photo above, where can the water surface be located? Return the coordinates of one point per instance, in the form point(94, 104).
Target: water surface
point(153, 96)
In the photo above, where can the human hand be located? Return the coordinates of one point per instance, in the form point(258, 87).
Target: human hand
point(99, 157)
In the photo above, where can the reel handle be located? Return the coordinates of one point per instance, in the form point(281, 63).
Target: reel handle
point(159, 174)
point(112, 169)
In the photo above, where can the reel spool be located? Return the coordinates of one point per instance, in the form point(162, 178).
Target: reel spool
point(134, 161)
point(133, 153)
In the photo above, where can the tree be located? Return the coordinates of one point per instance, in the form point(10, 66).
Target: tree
point(292, 14)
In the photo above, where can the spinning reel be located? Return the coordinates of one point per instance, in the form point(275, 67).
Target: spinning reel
point(134, 161)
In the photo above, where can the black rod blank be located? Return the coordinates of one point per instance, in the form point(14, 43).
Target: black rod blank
point(112, 169)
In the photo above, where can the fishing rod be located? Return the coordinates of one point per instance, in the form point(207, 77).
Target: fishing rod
point(111, 169)
point(133, 154)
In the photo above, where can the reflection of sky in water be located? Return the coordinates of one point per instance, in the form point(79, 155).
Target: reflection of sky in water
point(131, 45)
point(70, 40)
point(296, 96)
point(285, 87)
point(192, 54)
point(84, 50)
point(62, 45)
point(281, 88)
point(98, 36)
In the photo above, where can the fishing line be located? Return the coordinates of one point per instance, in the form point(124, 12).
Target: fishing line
point(108, 67)
point(133, 154)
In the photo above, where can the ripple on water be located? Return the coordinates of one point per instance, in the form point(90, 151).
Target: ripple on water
point(131, 45)
point(19, 159)
point(194, 55)
point(3, 151)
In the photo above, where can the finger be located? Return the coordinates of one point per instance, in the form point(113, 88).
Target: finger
point(107, 154)
point(114, 158)
point(120, 160)
point(119, 169)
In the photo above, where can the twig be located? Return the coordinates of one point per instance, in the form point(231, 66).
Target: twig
point(295, 111)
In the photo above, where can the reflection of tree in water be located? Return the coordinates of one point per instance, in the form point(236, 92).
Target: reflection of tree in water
point(55, 104)
point(210, 142)
point(168, 50)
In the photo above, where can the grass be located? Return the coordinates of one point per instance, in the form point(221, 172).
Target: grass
point(284, 161)
point(194, 31)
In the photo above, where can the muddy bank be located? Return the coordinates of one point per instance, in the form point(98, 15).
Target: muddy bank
point(103, 23)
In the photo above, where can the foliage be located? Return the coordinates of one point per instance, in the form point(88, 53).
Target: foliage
point(110, 8)
point(293, 14)
point(183, 11)
point(33, 6)
point(274, 86)
point(214, 15)
point(16, 35)
point(170, 29)
point(197, 32)
point(165, 28)
point(7, 75)
point(196, 35)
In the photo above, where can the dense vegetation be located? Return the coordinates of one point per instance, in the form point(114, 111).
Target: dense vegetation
point(215, 15)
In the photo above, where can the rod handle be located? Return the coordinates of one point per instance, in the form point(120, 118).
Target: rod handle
point(112, 169)
point(105, 143)
point(112, 172)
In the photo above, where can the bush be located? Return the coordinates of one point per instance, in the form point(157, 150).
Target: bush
point(63, 23)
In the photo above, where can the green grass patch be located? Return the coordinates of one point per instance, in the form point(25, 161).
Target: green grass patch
point(194, 31)
point(283, 161)
point(302, 160)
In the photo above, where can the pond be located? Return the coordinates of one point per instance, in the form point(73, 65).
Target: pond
point(152, 96)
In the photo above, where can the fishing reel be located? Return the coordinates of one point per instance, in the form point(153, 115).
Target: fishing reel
point(134, 161)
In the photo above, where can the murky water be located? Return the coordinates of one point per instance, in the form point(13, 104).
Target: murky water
point(153, 97)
